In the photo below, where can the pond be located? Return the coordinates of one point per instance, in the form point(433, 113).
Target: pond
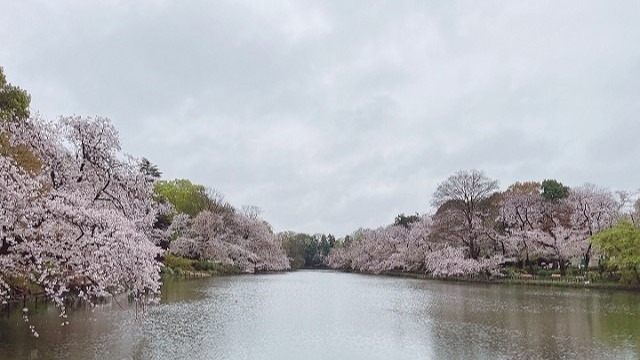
point(332, 315)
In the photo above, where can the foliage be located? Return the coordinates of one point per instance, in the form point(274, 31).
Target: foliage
point(293, 245)
point(179, 265)
point(191, 199)
point(554, 190)
point(406, 220)
point(526, 187)
point(14, 102)
point(186, 197)
point(149, 169)
point(621, 245)
point(307, 251)
point(216, 268)
point(177, 262)
point(14, 105)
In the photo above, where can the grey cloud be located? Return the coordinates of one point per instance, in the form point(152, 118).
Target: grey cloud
point(331, 115)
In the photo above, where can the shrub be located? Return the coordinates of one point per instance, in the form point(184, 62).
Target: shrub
point(544, 273)
point(204, 266)
point(177, 262)
point(573, 271)
point(167, 271)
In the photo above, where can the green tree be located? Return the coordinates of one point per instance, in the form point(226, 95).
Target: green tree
point(554, 190)
point(327, 242)
point(297, 246)
point(323, 245)
point(311, 251)
point(621, 245)
point(406, 220)
point(186, 197)
point(14, 102)
point(332, 240)
point(14, 105)
point(149, 169)
point(307, 251)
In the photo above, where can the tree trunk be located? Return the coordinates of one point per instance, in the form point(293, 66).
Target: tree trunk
point(587, 257)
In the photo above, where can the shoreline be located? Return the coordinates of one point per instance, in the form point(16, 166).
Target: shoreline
point(566, 282)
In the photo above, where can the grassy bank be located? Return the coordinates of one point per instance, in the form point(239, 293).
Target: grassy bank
point(183, 267)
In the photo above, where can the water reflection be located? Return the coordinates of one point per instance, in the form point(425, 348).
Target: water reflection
point(324, 315)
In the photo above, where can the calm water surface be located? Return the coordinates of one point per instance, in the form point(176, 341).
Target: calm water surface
point(329, 315)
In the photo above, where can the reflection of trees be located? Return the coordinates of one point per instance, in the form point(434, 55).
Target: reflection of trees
point(618, 321)
point(520, 322)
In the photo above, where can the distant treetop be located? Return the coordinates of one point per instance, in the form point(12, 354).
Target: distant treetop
point(554, 190)
point(14, 102)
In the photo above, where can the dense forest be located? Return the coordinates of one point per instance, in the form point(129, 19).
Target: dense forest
point(78, 216)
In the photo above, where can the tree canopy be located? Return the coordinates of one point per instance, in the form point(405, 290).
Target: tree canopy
point(463, 194)
point(149, 169)
point(14, 105)
point(468, 186)
point(554, 190)
point(83, 223)
point(186, 197)
point(621, 245)
point(406, 220)
point(14, 102)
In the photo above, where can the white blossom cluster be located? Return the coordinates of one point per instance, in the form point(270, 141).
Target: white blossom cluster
point(82, 222)
point(407, 248)
point(230, 238)
point(561, 229)
point(474, 232)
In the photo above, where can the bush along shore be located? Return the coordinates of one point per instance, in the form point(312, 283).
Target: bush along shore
point(176, 266)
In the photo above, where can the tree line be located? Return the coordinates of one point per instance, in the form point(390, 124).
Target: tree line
point(478, 229)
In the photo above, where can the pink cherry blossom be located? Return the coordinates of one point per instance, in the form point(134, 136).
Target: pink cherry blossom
point(82, 223)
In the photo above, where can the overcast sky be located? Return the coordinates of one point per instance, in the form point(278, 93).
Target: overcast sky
point(334, 115)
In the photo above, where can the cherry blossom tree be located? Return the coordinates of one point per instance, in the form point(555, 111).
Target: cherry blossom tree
point(373, 251)
point(461, 215)
point(407, 248)
point(594, 209)
point(81, 224)
point(555, 227)
point(520, 214)
point(231, 239)
point(451, 262)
